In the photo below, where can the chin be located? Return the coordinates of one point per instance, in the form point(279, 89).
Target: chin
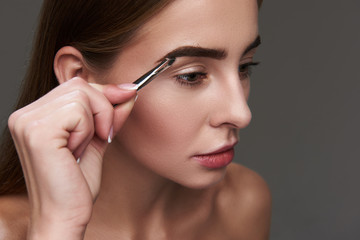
point(203, 181)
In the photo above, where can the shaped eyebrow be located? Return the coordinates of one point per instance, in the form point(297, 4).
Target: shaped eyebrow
point(215, 53)
point(192, 51)
point(253, 45)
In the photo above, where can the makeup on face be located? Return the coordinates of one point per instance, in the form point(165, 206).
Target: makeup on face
point(215, 53)
point(194, 77)
point(219, 158)
point(189, 51)
point(187, 121)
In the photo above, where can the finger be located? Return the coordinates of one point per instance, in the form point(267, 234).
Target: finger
point(72, 127)
point(71, 112)
point(100, 106)
point(81, 134)
point(102, 98)
point(122, 99)
point(91, 166)
point(121, 113)
point(116, 94)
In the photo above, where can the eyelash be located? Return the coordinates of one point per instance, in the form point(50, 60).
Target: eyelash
point(199, 77)
point(247, 69)
point(183, 79)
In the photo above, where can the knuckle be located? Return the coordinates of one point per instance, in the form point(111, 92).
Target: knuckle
point(29, 131)
point(73, 84)
point(12, 120)
point(32, 132)
point(38, 136)
point(108, 110)
point(89, 130)
point(76, 81)
point(78, 94)
point(80, 112)
point(17, 122)
point(76, 109)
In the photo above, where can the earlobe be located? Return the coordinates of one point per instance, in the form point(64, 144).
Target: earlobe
point(69, 63)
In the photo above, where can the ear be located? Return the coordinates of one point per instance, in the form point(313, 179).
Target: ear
point(69, 63)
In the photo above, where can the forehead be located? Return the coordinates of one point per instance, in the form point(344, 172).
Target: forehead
point(205, 23)
point(218, 24)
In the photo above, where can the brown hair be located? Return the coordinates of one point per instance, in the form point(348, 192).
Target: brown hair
point(99, 29)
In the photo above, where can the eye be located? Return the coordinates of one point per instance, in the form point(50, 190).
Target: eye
point(245, 69)
point(191, 79)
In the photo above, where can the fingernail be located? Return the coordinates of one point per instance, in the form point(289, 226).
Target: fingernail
point(136, 97)
point(78, 160)
point(128, 86)
point(129, 104)
point(111, 134)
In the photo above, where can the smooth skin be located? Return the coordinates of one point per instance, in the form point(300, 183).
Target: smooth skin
point(49, 143)
point(146, 184)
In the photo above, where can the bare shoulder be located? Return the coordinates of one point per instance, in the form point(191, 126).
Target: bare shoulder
point(14, 217)
point(244, 204)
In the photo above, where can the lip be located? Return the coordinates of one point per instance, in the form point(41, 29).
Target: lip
point(219, 158)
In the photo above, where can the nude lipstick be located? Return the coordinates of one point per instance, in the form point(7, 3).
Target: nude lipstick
point(217, 159)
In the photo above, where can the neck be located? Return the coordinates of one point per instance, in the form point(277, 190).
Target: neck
point(132, 197)
point(130, 191)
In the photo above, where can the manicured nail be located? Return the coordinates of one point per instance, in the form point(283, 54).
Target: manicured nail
point(111, 134)
point(128, 86)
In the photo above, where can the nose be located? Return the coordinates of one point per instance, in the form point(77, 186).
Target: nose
point(231, 107)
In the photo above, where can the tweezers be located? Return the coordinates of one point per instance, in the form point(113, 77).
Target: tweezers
point(153, 73)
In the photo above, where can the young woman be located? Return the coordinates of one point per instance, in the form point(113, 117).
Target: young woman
point(97, 164)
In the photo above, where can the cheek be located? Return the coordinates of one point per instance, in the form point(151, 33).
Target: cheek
point(161, 125)
point(165, 130)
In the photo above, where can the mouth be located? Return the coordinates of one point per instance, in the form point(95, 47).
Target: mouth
point(219, 158)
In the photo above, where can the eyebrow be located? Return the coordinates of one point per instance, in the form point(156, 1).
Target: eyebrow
point(215, 53)
point(253, 45)
point(192, 51)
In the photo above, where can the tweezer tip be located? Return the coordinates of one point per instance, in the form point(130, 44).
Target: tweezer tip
point(171, 61)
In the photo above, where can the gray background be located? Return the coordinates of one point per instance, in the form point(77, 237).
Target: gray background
point(305, 99)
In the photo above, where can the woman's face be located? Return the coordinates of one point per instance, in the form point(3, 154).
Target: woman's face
point(197, 106)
